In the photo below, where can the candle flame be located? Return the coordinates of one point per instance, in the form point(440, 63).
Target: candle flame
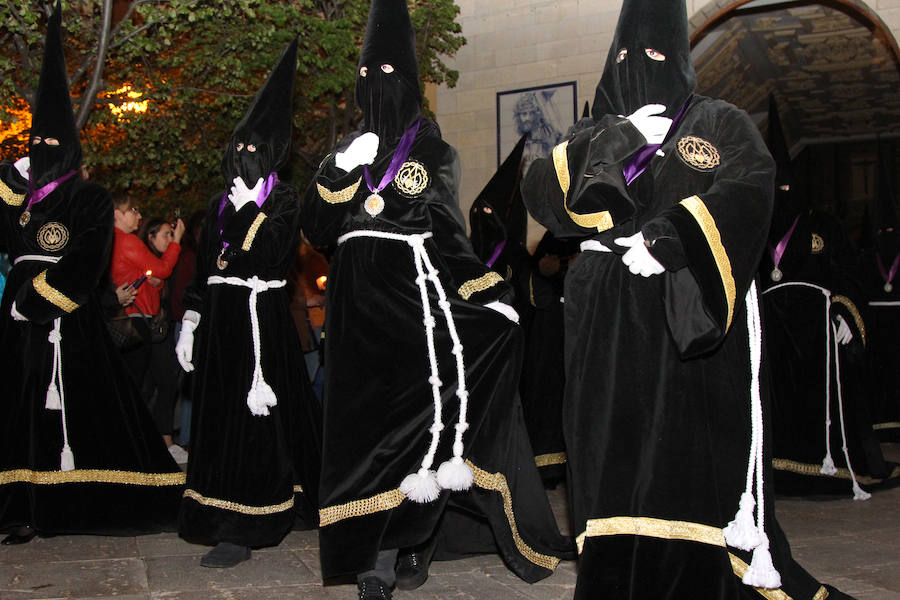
point(320, 282)
point(148, 273)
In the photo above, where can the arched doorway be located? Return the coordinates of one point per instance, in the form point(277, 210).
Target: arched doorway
point(834, 69)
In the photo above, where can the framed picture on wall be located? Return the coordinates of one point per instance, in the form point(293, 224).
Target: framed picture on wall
point(543, 113)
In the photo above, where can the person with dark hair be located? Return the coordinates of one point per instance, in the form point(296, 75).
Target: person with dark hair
point(78, 450)
point(138, 261)
point(425, 451)
point(256, 435)
point(665, 406)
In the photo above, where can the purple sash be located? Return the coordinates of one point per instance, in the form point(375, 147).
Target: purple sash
point(778, 251)
point(267, 187)
point(35, 196)
point(400, 156)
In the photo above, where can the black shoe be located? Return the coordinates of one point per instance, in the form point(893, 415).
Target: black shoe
point(372, 588)
point(412, 568)
point(225, 555)
point(22, 535)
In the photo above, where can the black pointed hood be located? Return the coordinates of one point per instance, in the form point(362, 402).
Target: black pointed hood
point(498, 212)
point(788, 201)
point(637, 79)
point(266, 126)
point(52, 113)
point(887, 225)
point(587, 110)
point(390, 102)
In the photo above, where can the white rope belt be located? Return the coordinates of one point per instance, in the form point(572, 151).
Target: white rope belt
point(55, 398)
point(594, 245)
point(454, 474)
point(828, 467)
point(261, 396)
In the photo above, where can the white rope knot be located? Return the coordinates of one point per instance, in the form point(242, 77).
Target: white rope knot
point(444, 304)
point(260, 396)
point(436, 427)
point(462, 395)
point(435, 381)
point(462, 428)
point(54, 337)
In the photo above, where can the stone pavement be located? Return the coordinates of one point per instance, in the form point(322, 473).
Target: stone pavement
point(852, 545)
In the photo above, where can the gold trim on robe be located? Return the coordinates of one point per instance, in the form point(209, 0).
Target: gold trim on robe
point(51, 294)
point(393, 498)
point(557, 458)
point(651, 527)
point(888, 425)
point(236, 507)
point(599, 220)
point(91, 476)
point(251, 232)
point(488, 280)
point(857, 318)
point(783, 464)
point(340, 196)
point(9, 196)
point(698, 210)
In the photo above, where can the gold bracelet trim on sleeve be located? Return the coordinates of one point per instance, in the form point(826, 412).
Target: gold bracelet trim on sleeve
point(707, 223)
point(544, 460)
point(601, 220)
point(9, 196)
point(488, 280)
point(91, 476)
point(51, 294)
point(740, 567)
point(236, 507)
point(860, 325)
point(251, 233)
point(650, 527)
point(783, 464)
point(298, 489)
point(344, 195)
point(497, 482)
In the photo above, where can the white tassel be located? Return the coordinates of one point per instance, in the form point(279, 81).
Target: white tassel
point(828, 467)
point(260, 398)
point(762, 573)
point(742, 531)
point(859, 493)
point(53, 400)
point(455, 474)
point(66, 459)
point(421, 487)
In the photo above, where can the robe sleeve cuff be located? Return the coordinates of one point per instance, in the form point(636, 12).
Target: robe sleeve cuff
point(845, 305)
point(40, 302)
point(474, 286)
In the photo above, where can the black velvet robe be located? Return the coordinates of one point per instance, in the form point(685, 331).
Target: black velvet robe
point(882, 317)
point(794, 326)
point(657, 403)
point(378, 400)
point(124, 481)
point(250, 477)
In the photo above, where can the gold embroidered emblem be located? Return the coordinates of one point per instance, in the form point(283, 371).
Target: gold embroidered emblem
point(53, 236)
point(818, 244)
point(698, 153)
point(412, 178)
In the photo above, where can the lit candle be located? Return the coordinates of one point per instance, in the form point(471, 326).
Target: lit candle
point(137, 282)
point(320, 282)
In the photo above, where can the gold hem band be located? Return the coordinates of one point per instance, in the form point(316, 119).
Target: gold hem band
point(783, 464)
point(707, 224)
point(557, 458)
point(236, 507)
point(91, 476)
point(651, 527)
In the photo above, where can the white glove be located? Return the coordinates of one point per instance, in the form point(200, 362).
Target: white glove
point(184, 347)
point(241, 195)
point(22, 166)
point(504, 309)
point(16, 315)
point(361, 151)
point(638, 259)
point(844, 334)
point(653, 128)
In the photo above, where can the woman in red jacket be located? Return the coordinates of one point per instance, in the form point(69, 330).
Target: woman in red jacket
point(131, 260)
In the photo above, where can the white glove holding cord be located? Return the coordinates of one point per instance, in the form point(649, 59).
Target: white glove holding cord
point(240, 194)
point(652, 127)
point(638, 259)
point(504, 309)
point(184, 347)
point(361, 151)
point(22, 165)
point(844, 333)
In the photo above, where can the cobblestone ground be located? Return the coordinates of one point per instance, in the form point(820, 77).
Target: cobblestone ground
point(852, 545)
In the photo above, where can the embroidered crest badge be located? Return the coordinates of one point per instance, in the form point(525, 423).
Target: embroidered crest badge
point(53, 236)
point(412, 179)
point(818, 244)
point(698, 153)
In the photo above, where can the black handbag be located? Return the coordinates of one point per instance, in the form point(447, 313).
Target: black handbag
point(123, 331)
point(159, 326)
